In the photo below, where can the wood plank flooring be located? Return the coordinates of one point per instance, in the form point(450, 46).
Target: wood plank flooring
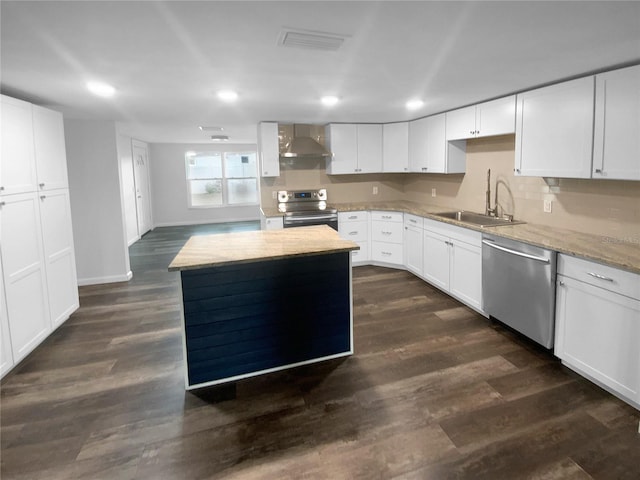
point(434, 391)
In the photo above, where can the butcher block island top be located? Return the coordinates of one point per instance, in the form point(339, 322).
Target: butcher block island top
point(205, 251)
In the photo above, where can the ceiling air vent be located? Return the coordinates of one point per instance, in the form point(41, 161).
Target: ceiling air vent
point(219, 138)
point(311, 39)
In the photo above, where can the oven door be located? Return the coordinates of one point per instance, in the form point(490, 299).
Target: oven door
point(305, 220)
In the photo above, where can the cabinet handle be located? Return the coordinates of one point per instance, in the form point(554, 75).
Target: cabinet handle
point(353, 233)
point(561, 283)
point(598, 170)
point(386, 233)
point(471, 132)
point(424, 169)
point(600, 277)
point(386, 253)
point(353, 217)
point(2, 204)
point(41, 185)
point(1, 189)
point(517, 170)
point(386, 217)
point(42, 197)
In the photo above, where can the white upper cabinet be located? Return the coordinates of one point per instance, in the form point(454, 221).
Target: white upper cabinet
point(429, 151)
point(369, 148)
point(50, 152)
point(554, 130)
point(418, 145)
point(616, 143)
point(268, 149)
point(395, 147)
point(496, 117)
point(355, 148)
point(17, 161)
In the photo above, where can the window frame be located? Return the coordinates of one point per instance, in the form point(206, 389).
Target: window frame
point(224, 180)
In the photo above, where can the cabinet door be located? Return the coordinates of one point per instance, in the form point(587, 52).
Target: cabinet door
point(343, 144)
point(597, 333)
point(554, 130)
point(24, 272)
point(395, 147)
point(50, 152)
point(17, 159)
point(461, 123)
point(369, 148)
point(436, 259)
point(436, 150)
point(466, 273)
point(413, 250)
point(616, 148)
point(59, 256)
point(6, 356)
point(497, 117)
point(268, 149)
point(418, 145)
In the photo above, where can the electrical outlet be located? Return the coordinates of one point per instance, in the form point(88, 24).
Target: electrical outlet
point(547, 206)
point(375, 190)
point(433, 192)
point(274, 195)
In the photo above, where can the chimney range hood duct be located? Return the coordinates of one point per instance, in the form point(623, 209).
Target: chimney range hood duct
point(302, 145)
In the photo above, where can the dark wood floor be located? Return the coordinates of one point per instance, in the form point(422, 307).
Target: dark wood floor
point(434, 391)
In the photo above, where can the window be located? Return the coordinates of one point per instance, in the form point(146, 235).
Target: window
point(217, 179)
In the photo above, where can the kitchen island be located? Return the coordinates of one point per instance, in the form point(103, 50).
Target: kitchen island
point(261, 301)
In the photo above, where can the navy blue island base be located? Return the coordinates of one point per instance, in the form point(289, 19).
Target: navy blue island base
point(248, 319)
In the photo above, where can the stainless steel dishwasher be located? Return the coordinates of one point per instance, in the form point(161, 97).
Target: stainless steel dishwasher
point(519, 286)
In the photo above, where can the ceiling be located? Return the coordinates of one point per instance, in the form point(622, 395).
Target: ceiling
point(167, 60)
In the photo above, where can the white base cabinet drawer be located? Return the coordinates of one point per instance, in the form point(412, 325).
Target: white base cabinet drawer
point(358, 257)
point(355, 231)
point(390, 232)
point(353, 217)
point(603, 276)
point(385, 252)
point(387, 216)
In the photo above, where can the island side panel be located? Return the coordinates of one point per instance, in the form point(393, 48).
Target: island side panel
point(246, 319)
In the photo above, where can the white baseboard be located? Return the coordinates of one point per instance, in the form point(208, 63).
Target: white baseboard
point(110, 279)
point(204, 222)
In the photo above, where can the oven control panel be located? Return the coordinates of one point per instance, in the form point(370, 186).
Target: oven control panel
point(285, 196)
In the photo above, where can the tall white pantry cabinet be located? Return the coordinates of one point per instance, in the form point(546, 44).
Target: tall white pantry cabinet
point(38, 282)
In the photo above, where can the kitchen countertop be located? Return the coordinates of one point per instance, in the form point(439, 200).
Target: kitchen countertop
point(203, 251)
point(616, 252)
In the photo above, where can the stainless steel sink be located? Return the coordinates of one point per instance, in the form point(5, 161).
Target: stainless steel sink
point(478, 219)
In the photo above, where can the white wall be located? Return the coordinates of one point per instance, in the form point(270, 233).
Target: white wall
point(128, 187)
point(169, 187)
point(96, 202)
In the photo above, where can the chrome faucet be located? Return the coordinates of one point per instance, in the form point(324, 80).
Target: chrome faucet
point(492, 212)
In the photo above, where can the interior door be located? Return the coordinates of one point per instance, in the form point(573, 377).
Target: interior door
point(143, 192)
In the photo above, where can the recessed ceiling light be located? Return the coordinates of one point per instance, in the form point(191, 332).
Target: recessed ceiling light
point(329, 100)
point(101, 89)
point(414, 104)
point(227, 95)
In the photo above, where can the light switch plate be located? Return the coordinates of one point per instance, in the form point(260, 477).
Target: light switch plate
point(547, 206)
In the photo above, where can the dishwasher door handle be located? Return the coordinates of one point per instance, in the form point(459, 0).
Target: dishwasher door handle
point(489, 243)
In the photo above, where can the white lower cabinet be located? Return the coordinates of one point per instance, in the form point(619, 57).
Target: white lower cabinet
point(598, 324)
point(59, 257)
point(413, 251)
point(24, 271)
point(387, 238)
point(452, 261)
point(6, 355)
point(354, 226)
point(271, 223)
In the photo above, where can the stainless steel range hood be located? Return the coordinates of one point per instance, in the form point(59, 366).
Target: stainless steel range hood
point(304, 144)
